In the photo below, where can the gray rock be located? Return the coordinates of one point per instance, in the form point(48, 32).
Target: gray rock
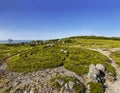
point(64, 51)
point(71, 84)
point(100, 67)
point(66, 85)
point(60, 81)
point(94, 70)
point(93, 73)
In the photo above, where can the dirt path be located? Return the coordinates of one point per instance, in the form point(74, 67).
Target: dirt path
point(112, 87)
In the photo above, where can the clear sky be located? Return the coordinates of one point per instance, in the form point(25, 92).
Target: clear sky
point(49, 19)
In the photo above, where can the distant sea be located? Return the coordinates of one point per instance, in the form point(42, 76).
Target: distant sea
point(14, 41)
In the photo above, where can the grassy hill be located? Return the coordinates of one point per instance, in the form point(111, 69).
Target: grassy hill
point(92, 42)
point(42, 57)
point(72, 53)
point(32, 58)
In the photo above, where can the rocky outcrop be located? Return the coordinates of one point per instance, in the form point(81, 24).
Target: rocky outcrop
point(96, 77)
point(95, 74)
point(68, 84)
point(35, 82)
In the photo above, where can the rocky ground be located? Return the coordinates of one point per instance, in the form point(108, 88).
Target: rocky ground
point(39, 82)
point(36, 81)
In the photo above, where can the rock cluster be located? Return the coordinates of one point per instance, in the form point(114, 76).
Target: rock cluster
point(69, 85)
point(35, 82)
point(96, 73)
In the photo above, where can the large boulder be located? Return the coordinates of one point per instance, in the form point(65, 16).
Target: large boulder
point(93, 73)
point(100, 67)
point(96, 73)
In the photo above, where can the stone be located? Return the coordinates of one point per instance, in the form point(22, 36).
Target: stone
point(32, 90)
point(93, 73)
point(94, 70)
point(64, 51)
point(100, 67)
point(71, 84)
point(60, 81)
point(62, 89)
point(66, 85)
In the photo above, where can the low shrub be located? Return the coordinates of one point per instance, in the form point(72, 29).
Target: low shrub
point(96, 87)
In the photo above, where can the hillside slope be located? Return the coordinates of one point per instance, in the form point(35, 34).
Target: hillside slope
point(73, 65)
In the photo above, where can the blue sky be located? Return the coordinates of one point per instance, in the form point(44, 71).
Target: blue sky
point(49, 19)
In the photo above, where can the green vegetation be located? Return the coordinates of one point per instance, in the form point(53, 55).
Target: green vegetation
point(95, 37)
point(96, 87)
point(29, 58)
point(78, 88)
point(7, 50)
point(116, 57)
point(72, 53)
point(79, 60)
point(42, 57)
point(91, 42)
point(37, 58)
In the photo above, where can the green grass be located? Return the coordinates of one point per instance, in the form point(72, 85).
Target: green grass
point(96, 87)
point(35, 59)
point(79, 60)
point(27, 58)
point(90, 42)
point(9, 50)
point(43, 57)
point(116, 57)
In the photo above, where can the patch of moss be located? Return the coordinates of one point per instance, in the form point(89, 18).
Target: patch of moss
point(96, 87)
